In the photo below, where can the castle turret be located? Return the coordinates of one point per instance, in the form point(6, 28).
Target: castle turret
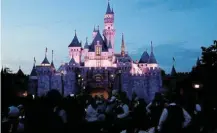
point(109, 29)
point(144, 58)
point(45, 62)
point(75, 49)
point(94, 32)
point(122, 46)
point(152, 62)
point(20, 72)
point(33, 80)
point(52, 64)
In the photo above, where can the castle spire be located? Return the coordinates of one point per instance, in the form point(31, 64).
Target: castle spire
point(108, 11)
point(34, 62)
point(46, 52)
point(151, 47)
point(152, 59)
point(173, 71)
point(52, 55)
point(122, 46)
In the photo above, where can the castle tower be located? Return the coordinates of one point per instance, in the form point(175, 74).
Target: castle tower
point(75, 49)
point(52, 64)
point(122, 46)
point(33, 80)
point(94, 32)
point(109, 30)
point(45, 62)
point(152, 62)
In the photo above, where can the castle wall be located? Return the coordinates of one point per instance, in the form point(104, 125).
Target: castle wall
point(69, 84)
point(43, 84)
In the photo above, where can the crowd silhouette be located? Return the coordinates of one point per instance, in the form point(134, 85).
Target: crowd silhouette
point(84, 113)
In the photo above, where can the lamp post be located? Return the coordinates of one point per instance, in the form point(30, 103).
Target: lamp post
point(197, 87)
point(62, 87)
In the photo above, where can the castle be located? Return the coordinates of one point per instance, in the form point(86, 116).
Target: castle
point(97, 69)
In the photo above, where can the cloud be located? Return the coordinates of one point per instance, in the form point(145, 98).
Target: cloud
point(174, 5)
point(185, 58)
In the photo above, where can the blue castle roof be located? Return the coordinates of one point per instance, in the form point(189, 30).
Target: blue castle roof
point(45, 61)
point(75, 42)
point(109, 11)
point(144, 58)
point(102, 42)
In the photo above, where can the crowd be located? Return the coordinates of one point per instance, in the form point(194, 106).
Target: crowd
point(84, 113)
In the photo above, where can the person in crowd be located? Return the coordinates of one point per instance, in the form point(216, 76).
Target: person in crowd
point(173, 118)
point(91, 117)
point(123, 121)
point(12, 123)
point(57, 115)
point(155, 108)
point(140, 119)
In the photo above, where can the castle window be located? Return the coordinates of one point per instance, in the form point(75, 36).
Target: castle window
point(98, 50)
point(108, 27)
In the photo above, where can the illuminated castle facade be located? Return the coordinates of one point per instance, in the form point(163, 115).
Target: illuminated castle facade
point(96, 68)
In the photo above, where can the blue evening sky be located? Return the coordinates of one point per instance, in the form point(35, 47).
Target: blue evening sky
point(178, 28)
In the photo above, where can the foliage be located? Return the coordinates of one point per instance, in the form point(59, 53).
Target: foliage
point(11, 85)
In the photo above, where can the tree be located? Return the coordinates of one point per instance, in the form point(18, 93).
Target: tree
point(205, 72)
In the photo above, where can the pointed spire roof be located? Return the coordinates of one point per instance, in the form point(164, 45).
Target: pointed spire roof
point(75, 42)
point(33, 72)
point(122, 46)
point(86, 46)
point(173, 71)
point(72, 61)
point(152, 59)
point(101, 41)
point(52, 64)
point(108, 11)
point(45, 61)
point(20, 72)
point(2, 70)
point(145, 57)
point(94, 29)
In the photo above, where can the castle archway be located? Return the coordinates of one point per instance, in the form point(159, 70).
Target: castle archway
point(99, 92)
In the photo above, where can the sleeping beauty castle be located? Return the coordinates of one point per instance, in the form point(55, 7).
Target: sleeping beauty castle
point(96, 69)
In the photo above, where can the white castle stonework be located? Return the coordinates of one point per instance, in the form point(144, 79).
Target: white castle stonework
point(97, 66)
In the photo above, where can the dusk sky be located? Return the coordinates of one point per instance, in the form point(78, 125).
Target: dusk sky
point(177, 28)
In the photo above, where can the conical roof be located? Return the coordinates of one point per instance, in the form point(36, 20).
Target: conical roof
point(20, 72)
point(109, 11)
point(86, 46)
point(33, 72)
point(72, 61)
point(101, 41)
point(152, 59)
point(144, 58)
point(173, 71)
point(45, 61)
point(75, 42)
point(52, 64)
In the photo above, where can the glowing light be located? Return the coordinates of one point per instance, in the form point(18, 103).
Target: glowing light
point(79, 75)
point(71, 95)
point(84, 88)
point(25, 94)
point(196, 86)
point(33, 96)
point(112, 75)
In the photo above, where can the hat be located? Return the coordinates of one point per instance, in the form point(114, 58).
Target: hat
point(13, 111)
